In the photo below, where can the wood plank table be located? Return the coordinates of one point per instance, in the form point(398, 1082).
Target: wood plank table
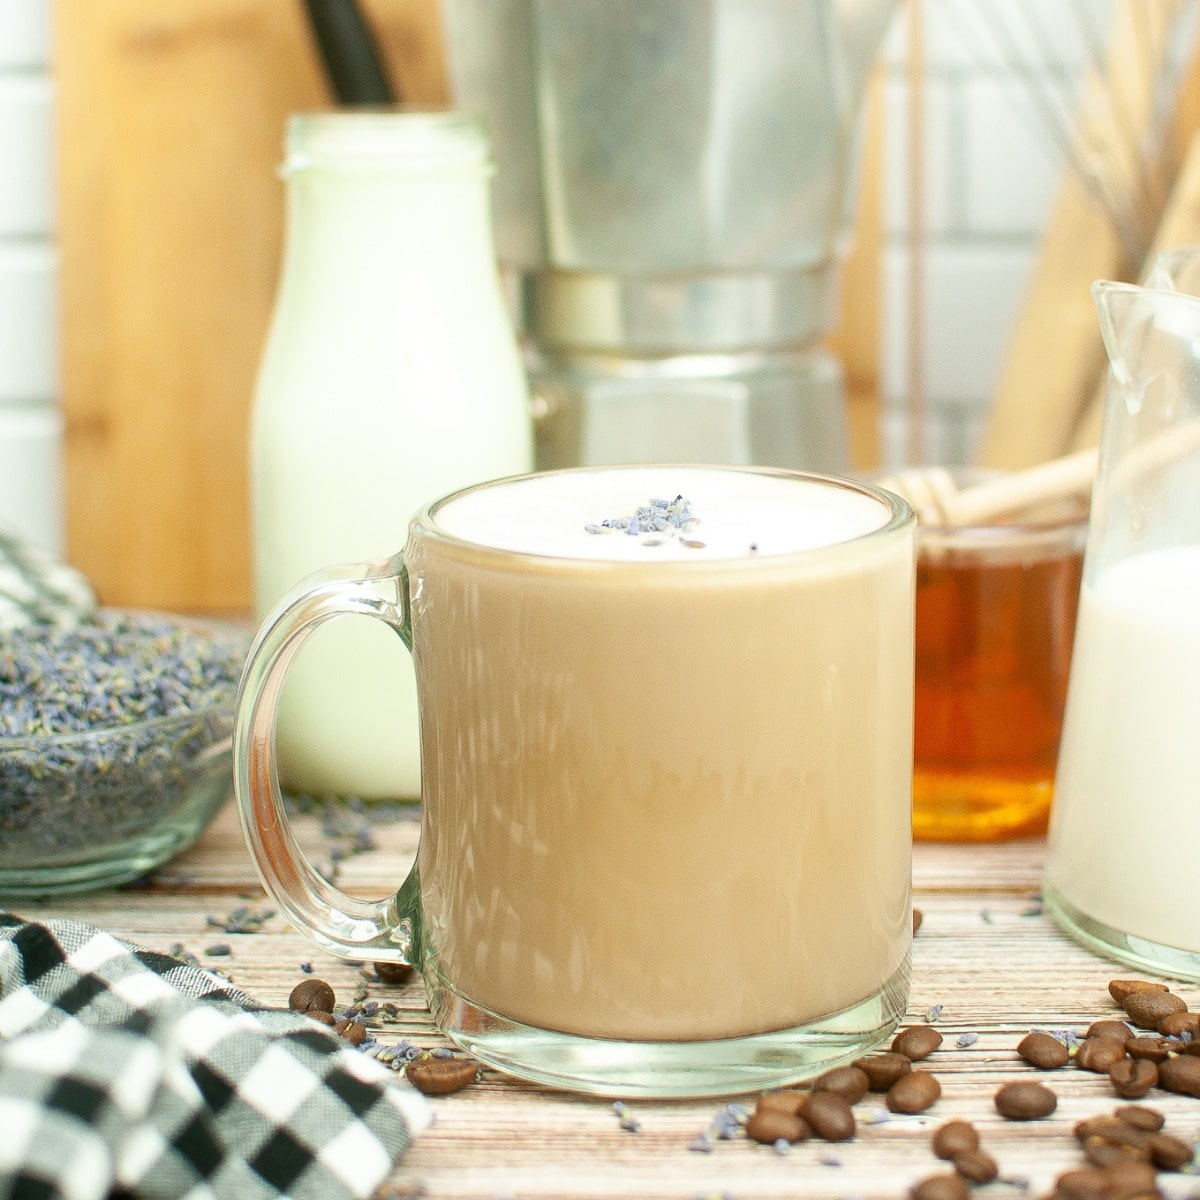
point(986, 954)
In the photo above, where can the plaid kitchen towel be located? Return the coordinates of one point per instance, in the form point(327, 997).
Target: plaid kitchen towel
point(125, 1072)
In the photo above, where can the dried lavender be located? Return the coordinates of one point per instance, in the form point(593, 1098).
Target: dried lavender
point(107, 728)
point(654, 522)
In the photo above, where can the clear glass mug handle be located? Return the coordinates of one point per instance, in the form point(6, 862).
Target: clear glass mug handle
point(379, 929)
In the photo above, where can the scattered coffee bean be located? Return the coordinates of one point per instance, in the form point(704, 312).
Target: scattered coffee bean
point(917, 1042)
point(324, 1017)
point(1152, 1049)
point(1111, 1133)
point(1043, 1051)
point(1168, 1152)
point(312, 994)
point(1173, 1024)
point(1099, 1054)
point(1083, 1183)
point(1110, 1129)
point(883, 1069)
point(394, 972)
point(1119, 989)
point(851, 1083)
point(1132, 1078)
point(977, 1166)
point(1140, 1116)
point(1146, 1008)
point(1131, 1181)
point(769, 1125)
point(1109, 1027)
point(1181, 1074)
point(786, 1101)
point(829, 1116)
point(1108, 1154)
point(352, 1031)
point(1025, 1100)
point(918, 917)
point(441, 1076)
point(913, 1093)
point(940, 1187)
point(953, 1138)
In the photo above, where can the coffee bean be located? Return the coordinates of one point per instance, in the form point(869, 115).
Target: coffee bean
point(883, 1069)
point(1132, 1181)
point(1192, 1047)
point(918, 917)
point(441, 1076)
point(312, 994)
point(1108, 1154)
point(1099, 1054)
point(1140, 1116)
point(352, 1031)
point(851, 1083)
point(768, 1126)
point(1173, 1024)
point(324, 1017)
point(1025, 1100)
point(1181, 1074)
point(394, 972)
point(1153, 1049)
point(955, 1137)
point(1168, 1152)
point(1042, 1050)
point(1132, 1078)
point(913, 1093)
point(1147, 1008)
point(1118, 989)
point(829, 1116)
point(1113, 1130)
point(916, 1042)
point(940, 1187)
point(1109, 1027)
point(787, 1101)
point(978, 1166)
point(1083, 1183)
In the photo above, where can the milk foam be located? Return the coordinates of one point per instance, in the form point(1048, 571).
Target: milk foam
point(740, 514)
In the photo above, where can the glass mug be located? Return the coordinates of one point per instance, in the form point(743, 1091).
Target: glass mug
point(666, 773)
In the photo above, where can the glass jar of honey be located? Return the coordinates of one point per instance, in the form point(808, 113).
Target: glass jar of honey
point(994, 630)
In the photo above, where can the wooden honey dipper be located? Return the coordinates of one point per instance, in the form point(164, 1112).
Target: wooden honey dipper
point(937, 499)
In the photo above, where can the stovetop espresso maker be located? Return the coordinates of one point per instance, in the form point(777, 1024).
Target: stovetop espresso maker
point(672, 202)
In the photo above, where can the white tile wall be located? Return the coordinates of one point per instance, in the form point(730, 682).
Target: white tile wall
point(26, 151)
point(1011, 167)
point(25, 33)
point(31, 432)
point(990, 173)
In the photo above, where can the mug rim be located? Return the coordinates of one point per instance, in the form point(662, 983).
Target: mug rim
point(900, 516)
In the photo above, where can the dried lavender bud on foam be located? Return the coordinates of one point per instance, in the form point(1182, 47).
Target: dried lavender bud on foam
point(556, 513)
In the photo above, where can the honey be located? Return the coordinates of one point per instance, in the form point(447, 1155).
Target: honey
point(995, 623)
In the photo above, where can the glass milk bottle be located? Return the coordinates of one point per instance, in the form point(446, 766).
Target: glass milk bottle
point(390, 376)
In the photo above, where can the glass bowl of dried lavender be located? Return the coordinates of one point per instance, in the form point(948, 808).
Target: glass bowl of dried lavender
point(115, 745)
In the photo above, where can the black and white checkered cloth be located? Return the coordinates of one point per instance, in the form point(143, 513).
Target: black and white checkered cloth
point(129, 1073)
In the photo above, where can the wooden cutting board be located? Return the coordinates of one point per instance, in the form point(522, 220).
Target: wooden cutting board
point(170, 123)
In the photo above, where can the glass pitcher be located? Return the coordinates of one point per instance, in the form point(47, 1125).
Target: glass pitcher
point(1120, 873)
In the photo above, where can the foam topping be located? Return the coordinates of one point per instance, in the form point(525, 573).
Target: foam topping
point(652, 513)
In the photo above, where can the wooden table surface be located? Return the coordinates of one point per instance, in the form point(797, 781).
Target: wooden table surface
point(985, 954)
